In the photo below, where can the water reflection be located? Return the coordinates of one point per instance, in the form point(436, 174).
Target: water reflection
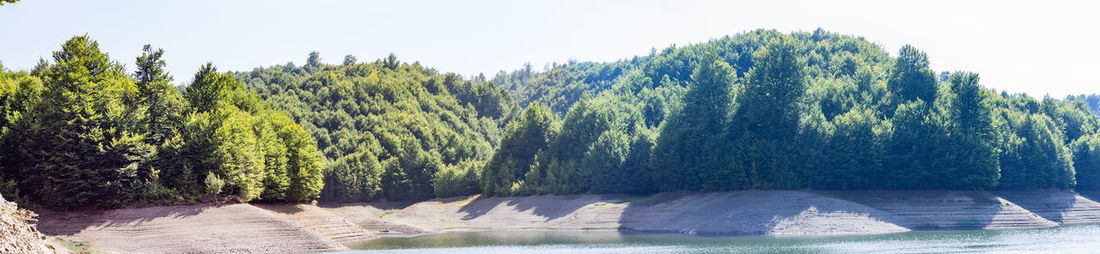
point(1070, 239)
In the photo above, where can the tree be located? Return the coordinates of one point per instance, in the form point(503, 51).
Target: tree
point(356, 177)
point(974, 141)
point(854, 152)
point(304, 162)
point(1034, 155)
point(81, 147)
point(349, 60)
point(766, 121)
point(210, 88)
point(391, 62)
point(688, 149)
point(409, 175)
point(1086, 162)
point(911, 79)
point(525, 136)
point(160, 99)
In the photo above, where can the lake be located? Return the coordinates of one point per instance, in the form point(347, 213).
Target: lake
point(1068, 239)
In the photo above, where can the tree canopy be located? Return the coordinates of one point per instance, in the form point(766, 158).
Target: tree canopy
point(81, 132)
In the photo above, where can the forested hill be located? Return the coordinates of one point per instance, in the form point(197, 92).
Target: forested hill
point(757, 110)
point(390, 128)
point(770, 110)
point(828, 56)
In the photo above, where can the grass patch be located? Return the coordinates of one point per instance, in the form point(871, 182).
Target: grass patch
point(75, 246)
point(389, 213)
point(602, 206)
point(653, 199)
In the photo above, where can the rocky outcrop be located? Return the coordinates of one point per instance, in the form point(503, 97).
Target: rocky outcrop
point(17, 235)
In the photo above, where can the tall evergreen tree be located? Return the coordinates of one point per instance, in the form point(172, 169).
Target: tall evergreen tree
point(209, 88)
point(911, 79)
point(526, 136)
point(689, 148)
point(973, 138)
point(765, 125)
point(83, 148)
point(160, 99)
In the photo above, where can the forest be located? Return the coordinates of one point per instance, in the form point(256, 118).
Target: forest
point(80, 131)
point(756, 110)
point(767, 110)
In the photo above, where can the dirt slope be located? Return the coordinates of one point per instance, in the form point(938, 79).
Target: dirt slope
point(321, 221)
point(295, 228)
point(1063, 207)
point(236, 228)
point(760, 212)
point(951, 210)
point(742, 212)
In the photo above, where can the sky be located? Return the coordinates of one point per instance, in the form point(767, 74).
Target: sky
point(1036, 47)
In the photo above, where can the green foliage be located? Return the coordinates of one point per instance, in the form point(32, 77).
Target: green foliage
point(911, 78)
point(815, 110)
point(1086, 162)
point(214, 185)
point(698, 127)
point(354, 177)
point(764, 129)
point(458, 180)
point(972, 138)
point(80, 144)
point(209, 88)
point(385, 109)
point(80, 132)
point(160, 100)
point(854, 152)
point(529, 134)
point(595, 151)
point(1034, 155)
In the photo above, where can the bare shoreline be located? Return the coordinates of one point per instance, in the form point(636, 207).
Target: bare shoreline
point(302, 228)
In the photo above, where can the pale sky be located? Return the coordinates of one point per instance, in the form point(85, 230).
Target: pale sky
point(1037, 47)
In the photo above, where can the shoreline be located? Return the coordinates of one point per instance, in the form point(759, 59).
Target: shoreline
point(303, 228)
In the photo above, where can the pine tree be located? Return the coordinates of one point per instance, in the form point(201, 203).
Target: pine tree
point(156, 94)
point(689, 147)
point(766, 122)
point(911, 79)
point(973, 137)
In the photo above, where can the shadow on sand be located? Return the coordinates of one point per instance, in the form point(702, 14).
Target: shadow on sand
point(549, 206)
point(68, 223)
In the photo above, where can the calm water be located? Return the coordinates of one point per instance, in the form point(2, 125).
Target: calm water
point(1071, 239)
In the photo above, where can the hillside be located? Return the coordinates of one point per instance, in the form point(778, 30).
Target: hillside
point(389, 128)
point(769, 110)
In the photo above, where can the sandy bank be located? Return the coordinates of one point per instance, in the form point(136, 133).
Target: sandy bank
point(236, 228)
point(950, 210)
point(270, 228)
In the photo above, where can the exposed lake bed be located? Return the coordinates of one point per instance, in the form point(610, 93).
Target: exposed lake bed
point(736, 221)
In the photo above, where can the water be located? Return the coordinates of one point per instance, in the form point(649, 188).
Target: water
point(1070, 239)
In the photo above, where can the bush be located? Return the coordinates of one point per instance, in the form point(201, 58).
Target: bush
point(457, 180)
point(214, 184)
